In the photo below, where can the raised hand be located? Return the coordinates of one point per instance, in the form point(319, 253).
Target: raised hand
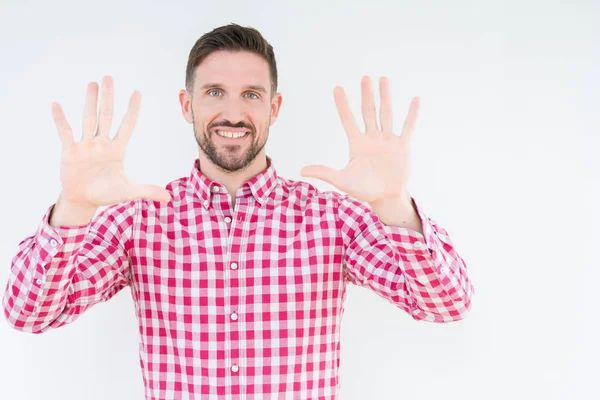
point(91, 171)
point(379, 164)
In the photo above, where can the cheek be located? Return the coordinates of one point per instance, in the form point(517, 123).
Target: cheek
point(261, 117)
point(203, 116)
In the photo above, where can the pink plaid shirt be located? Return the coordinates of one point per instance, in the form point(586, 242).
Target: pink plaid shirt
point(242, 302)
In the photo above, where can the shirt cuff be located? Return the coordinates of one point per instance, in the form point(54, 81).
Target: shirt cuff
point(425, 258)
point(50, 242)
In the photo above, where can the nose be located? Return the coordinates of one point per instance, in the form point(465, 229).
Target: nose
point(234, 111)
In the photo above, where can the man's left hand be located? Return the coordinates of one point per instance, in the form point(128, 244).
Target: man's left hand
point(379, 165)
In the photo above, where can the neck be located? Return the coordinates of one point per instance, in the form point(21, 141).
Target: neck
point(232, 180)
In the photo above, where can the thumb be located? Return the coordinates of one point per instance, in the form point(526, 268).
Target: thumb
point(321, 172)
point(151, 192)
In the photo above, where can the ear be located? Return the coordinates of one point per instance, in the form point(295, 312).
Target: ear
point(186, 105)
point(275, 107)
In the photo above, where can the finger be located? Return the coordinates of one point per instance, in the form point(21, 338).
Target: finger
point(65, 133)
point(385, 108)
point(368, 105)
point(321, 172)
point(346, 116)
point(150, 192)
point(89, 113)
point(106, 107)
point(411, 118)
point(130, 118)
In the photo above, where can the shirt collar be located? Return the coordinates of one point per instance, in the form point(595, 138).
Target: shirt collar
point(259, 187)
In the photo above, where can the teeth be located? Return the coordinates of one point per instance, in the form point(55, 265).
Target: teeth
point(231, 135)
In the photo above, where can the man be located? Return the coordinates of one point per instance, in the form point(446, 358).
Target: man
point(238, 276)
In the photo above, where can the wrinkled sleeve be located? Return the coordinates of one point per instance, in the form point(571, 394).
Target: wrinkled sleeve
point(422, 274)
point(60, 272)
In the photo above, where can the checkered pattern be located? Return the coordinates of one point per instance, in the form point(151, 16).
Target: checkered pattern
point(236, 303)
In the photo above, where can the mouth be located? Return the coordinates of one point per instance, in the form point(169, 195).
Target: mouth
point(232, 134)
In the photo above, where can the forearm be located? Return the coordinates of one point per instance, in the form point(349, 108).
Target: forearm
point(60, 272)
point(434, 273)
point(38, 284)
point(421, 272)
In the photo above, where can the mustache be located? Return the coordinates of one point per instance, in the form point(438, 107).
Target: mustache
point(228, 124)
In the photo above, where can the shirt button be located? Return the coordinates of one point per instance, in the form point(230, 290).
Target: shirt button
point(234, 265)
point(215, 189)
point(53, 242)
point(38, 281)
point(234, 317)
point(228, 220)
point(235, 368)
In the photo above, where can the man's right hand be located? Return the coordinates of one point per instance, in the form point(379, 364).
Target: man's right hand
point(92, 171)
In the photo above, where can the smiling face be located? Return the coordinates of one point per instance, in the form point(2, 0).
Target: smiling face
point(232, 108)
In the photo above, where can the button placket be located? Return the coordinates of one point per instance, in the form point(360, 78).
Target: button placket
point(234, 321)
point(235, 324)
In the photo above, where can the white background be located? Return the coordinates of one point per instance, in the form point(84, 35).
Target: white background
point(505, 158)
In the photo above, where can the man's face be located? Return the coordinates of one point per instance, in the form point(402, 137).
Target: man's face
point(232, 108)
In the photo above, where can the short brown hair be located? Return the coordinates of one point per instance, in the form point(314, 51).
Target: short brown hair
point(235, 38)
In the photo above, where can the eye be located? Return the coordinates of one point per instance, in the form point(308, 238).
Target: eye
point(212, 91)
point(253, 94)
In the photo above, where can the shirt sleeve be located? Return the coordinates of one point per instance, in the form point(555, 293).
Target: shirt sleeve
point(60, 272)
point(422, 274)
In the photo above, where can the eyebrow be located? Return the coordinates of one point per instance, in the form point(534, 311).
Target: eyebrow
point(258, 88)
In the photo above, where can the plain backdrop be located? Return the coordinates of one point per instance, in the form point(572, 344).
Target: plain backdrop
point(505, 158)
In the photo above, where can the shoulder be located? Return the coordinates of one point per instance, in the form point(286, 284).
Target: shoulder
point(178, 189)
point(305, 192)
point(308, 196)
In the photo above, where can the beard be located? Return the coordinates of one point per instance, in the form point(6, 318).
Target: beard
point(230, 158)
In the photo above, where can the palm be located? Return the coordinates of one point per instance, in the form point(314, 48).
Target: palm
point(92, 171)
point(379, 163)
point(375, 166)
point(93, 174)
